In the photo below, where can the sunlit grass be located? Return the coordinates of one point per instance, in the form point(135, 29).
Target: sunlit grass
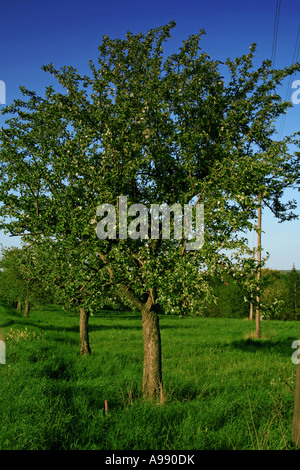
point(223, 388)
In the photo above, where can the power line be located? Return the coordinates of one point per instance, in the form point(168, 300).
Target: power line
point(294, 61)
point(275, 32)
point(259, 212)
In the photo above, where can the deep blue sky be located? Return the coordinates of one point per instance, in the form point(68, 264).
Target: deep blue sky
point(67, 32)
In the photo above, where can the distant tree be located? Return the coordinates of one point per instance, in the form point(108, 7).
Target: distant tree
point(230, 299)
point(273, 292)
point(83, 291)
point(21, 284)
point(292, 302)
point(10, 276)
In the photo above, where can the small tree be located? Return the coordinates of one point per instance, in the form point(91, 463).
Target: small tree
point(10, 276)
point(20, 283)
point(82, 291)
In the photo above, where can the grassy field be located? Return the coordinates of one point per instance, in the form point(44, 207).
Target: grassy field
point(223, 390)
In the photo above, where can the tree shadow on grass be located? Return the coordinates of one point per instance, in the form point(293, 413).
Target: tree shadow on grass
point(111, 321)
point(252, 345)
point(8, 323)
point(75, 328)
point(9, 310)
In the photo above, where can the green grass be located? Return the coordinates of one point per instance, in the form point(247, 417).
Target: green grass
point(223, 390)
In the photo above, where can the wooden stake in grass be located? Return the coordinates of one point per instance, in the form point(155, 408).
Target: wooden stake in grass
point(296, 417)
point(105, 407)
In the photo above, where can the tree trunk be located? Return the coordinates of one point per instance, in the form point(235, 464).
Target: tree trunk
point(296, 417)
point(257, 315)
point(152, 373)
point(257, 321)
point(152, 370)
point(252, 297)
point(19, 306)
point(251, 310)
point(84, 332)
point(27, 308)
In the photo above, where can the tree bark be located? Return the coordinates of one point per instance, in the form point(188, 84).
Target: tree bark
point(19, 306)
point(257, 315)
point(84, 332)
point(251, 309)
point(152, 370)
point(252, 297)
point(296, 416)
point(27, 308)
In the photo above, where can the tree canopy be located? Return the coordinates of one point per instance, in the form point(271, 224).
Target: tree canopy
point(155, 130)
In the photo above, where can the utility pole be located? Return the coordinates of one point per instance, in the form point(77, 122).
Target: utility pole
point(257, 317)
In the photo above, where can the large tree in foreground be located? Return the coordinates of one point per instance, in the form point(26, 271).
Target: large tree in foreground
point(153, 130)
